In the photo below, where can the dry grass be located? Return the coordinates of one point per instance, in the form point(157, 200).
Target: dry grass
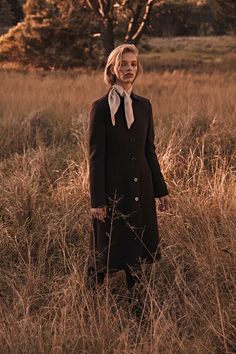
point(190, 53)
point(188, 299)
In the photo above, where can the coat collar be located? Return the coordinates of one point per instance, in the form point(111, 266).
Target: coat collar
point(136, 97)
point(132, 95)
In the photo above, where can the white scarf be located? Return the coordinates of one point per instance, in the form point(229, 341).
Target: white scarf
point(114, 103)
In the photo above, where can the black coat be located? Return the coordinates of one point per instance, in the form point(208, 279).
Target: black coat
point(124, 175)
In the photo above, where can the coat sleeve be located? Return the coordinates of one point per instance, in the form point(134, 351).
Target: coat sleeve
point(160, 188)
point(97, 155)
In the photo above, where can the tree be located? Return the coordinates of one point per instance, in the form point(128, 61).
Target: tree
point(53, 34)
point(110, 14)
point(66, 32)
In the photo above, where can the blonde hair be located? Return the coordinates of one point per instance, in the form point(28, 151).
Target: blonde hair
point(114, 60)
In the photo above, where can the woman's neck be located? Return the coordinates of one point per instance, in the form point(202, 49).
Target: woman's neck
point(127, 87)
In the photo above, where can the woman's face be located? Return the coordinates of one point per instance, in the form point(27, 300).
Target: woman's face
point(126, 73)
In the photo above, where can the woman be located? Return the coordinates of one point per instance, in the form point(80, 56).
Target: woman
point(124, 175)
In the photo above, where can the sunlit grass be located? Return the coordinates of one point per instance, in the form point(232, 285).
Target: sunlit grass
point(187, 300)
point(190, 53)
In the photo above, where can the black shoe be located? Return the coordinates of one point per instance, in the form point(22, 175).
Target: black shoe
point(130, 281)
point(131, 278)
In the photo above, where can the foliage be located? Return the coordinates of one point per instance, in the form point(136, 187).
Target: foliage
point(181, 18)
point(53, 35)
point(60, 33)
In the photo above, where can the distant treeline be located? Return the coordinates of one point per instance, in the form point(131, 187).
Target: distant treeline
point(168, 18)
point(181, 18)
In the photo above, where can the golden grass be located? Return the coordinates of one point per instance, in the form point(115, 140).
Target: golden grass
point(190, 53)
point(187, 300)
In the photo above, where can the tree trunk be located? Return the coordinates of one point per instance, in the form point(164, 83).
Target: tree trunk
point(108, 36)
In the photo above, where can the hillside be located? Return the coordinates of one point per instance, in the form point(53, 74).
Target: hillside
point(190, 53)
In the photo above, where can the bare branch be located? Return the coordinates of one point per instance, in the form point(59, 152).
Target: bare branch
point(135, 36)
point(124, 3)
point(94, 6)
point(133, 21)
point(101, 8)
point(89, 4)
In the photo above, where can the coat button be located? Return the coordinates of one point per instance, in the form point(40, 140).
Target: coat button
point(135, 179)
point(133, 158)
point(136, 199)
point(132, 140)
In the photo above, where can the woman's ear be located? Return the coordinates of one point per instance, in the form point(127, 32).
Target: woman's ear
point(113, 74)
point(112, 70)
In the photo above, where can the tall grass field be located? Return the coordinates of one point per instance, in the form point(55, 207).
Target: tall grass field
point(186, 303)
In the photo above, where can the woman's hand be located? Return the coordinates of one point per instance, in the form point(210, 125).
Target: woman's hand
point(164, 203)
point(99, 213)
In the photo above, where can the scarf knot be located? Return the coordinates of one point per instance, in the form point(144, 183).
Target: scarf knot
point(114, 103)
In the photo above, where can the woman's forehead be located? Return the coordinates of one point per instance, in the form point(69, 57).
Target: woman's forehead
point(129, 56)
